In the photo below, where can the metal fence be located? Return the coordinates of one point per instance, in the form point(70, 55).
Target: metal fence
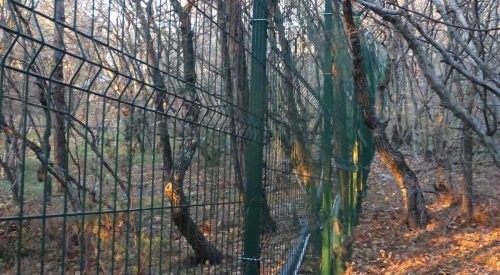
point(158, 137)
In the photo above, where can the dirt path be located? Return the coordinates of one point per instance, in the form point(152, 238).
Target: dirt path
point(382, 246)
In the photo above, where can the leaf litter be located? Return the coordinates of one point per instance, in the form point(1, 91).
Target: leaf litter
point(382, 245)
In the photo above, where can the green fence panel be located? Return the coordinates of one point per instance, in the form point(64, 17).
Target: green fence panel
point(151, 137)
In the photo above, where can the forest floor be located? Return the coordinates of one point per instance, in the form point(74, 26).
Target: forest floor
point(382, 245)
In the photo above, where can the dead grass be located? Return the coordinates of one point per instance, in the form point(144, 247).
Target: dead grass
point(140, 238)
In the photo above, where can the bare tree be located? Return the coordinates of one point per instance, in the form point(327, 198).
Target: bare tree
point(235, 78)
point(59, 92)
point(404, 20)
point(415, 212)
point(456, 49)
point(205, 252)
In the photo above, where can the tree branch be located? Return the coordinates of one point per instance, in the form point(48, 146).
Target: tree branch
point(447, 100)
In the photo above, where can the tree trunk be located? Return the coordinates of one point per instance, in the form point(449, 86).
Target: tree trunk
point(415, 212)
point(467, 206)
point(442, 180)
point(46, 101)
point(467, 155)
point(9, 165)
point(61, 110)
point(42, 173)
point(204, 251)
point(160, 94)
point(58, 95)
point(235, 78)
point(345, 131)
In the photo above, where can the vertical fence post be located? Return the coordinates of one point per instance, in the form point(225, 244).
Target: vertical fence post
point(326, 143)
point(343, 135)
point(254, 146)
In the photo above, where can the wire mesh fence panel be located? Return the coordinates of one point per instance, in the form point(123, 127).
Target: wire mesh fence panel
point(123, 131)
point(294, 117)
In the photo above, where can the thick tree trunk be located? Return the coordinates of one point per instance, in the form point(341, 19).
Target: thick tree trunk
point(415, 212)
point(46, 101)
point(204, 251)
point(42, 173)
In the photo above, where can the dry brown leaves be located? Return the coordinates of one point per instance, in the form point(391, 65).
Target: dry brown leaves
point(381, 245)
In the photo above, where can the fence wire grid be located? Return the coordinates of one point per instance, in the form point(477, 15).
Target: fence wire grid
point(124, 127)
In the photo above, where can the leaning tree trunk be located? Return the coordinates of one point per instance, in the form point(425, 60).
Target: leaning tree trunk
point(415, 212)
point(204, 251)
point(44, 98)
point(160, 95)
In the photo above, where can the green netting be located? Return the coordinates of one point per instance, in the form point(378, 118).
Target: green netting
point(174, 137)
point(353, 148)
